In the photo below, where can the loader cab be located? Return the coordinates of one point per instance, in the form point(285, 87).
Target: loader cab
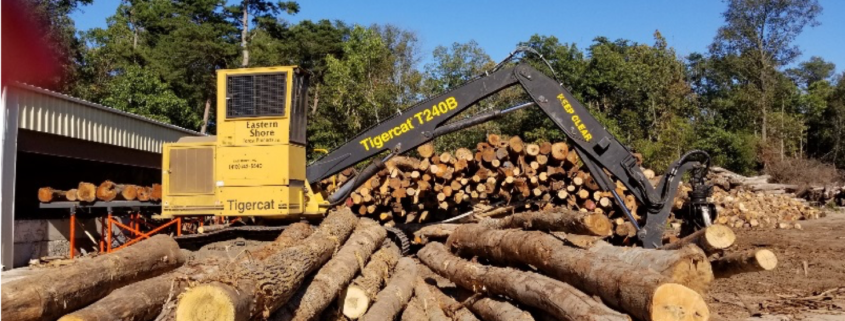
point(255, 166)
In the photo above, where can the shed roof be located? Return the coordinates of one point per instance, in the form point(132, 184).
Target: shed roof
point(55, 113)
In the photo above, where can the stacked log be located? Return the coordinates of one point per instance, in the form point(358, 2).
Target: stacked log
point(436, 186)
point(741, 208)
point(345, 270)
point(56, 292)
point(107, 191)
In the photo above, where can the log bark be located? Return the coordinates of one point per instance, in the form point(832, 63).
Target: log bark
point(744, 262)
point(54, 293)
point(453, 309)
point(711, 239)
point(554, 297)
point(429, 301)
point(413, 311)
point(338, 272)
point(396, 294)
point(646, 295)
point(687, 266)
point(364, 288)
point(292, 235)
point(489, 309)
point(584, 223)
point(436, 231)
point(144, 300)
point(109, 191)
point(251, 290)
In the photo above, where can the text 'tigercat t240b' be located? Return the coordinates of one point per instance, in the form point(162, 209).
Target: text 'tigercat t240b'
point(256, 165)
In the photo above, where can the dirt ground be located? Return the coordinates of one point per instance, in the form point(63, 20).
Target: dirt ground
point(808, 283)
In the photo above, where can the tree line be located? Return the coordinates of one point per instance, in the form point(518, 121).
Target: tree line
point(748, 99)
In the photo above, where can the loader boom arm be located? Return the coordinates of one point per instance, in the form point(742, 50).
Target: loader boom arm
point(597, 148)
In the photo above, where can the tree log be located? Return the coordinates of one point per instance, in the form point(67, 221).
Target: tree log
point(711, 239)
point(142, 301)
point(55, 292)
point(70, 195)
point(436, 231)
point(687, 266)
point(86, 192)
point(338, 272)
point(109, 191)
point(147, 298)
point(429, 301)
point(396, 294)
point(646, 295)
point(426, 150)
point(554, 297)
point(292, 235)
point(585, 223)
point(490, 309)
point(414, 311)
point(365, 287)
point(744, 262)
point(47, 195)
point(453, 309)
point(251, 290)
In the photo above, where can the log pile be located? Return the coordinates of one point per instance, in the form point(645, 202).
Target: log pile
point(498, 177)
point(527, 266)
point(816, 194)
point(741, 208)
point(107, 191)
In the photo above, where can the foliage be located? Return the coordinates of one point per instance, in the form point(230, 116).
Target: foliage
point(738, 101)
point(140, 91)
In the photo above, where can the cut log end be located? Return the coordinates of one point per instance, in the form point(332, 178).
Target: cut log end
point(676, 302)
point(598, 224)
point(355, 302)
point(207, 303)
point(719, 236)
point(744, 262)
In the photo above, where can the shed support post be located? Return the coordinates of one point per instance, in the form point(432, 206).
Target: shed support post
point(8, 161)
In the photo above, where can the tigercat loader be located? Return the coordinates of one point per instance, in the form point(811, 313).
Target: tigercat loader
point(256, 165)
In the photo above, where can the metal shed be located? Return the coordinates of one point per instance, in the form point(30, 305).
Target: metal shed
point(46, 129)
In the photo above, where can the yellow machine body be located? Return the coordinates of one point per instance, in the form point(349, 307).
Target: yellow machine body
point(255, 166)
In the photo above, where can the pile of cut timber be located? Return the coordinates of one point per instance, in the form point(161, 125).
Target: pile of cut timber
point(740, 207)
point(500, 171)
point(346, 269)
point(816, 194)
point(106, 191)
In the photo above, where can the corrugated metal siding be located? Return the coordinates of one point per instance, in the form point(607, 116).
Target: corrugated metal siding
point(53, 113)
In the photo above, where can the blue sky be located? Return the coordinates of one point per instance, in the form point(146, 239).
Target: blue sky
point(688, 25)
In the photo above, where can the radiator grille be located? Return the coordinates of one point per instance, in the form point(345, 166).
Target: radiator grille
point(192, 171)
point(255, 95)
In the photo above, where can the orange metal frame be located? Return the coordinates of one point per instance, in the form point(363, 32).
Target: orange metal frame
point(135, 229)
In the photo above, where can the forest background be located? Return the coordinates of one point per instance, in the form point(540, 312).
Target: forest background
point(750, 99)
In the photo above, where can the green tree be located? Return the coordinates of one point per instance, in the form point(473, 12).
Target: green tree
point(359, 89)
point(140, 91)
point(760, 35)
point(263, 14)
point(811, 71)
point(450, 67)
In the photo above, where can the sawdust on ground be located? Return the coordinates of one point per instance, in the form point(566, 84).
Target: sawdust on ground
point(808, 283)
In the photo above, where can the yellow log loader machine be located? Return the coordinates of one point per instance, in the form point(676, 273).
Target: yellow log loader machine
point(256, 165)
